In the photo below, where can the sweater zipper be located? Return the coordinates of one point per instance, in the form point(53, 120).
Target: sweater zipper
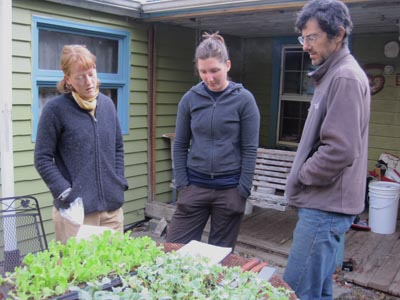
point(212, 137)
point(98, 173)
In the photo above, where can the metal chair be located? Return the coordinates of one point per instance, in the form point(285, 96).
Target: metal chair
point(21, 230)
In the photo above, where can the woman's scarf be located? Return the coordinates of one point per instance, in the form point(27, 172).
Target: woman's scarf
point(86, 104)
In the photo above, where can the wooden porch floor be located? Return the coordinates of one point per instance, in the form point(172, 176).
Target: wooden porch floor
point(376, 257)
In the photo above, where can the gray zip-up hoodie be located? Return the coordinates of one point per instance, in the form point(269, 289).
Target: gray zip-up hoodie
point(74, 149)
point(330, 168)
point(217, 137)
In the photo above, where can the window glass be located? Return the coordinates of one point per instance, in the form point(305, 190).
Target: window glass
point(112, 93)
point(296, 92)
point(297, 64)
point(292, 118)
point(111, 48)
point(47, 93)
point(52, 42)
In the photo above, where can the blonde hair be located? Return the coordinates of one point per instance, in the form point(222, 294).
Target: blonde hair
point(71, 55)
point(213, 45)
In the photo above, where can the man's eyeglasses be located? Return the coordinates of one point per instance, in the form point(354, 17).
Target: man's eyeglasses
point(310, 39)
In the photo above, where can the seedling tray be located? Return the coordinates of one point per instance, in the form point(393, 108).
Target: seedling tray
point(108, 286)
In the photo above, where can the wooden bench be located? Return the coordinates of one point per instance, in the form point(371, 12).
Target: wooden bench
point(269, 183)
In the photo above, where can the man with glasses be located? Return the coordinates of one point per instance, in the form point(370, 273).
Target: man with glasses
point(327, 180)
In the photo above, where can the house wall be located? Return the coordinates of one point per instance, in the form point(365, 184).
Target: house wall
point(175, 48)
point(257, 68)
point(27, 180)
point(384, 130)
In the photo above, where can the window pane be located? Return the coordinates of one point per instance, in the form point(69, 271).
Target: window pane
point(293, 60)
point(52, 42)
point(112, 93)
point(45, 94)
point(292, 119)
point(291, 82)
point(297, 64)
point(292, 75)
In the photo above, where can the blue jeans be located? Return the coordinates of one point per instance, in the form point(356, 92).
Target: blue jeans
point(312, 257)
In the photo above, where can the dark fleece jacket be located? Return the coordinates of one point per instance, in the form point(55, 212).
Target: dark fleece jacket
point(217, 137)
point(74, 149)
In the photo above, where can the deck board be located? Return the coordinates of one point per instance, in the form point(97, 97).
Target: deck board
point(376, 257)
point(373, 261)
point(394, 288)
point(389, 268)
point(361, 253)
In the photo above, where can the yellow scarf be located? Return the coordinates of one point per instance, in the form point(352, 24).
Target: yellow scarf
point(86, 104)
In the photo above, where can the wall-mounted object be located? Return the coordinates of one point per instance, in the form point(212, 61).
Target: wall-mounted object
point(391, 49)
point(388, 70)
point(375, 76)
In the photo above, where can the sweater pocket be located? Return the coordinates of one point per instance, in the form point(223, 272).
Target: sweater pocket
point(114, 188)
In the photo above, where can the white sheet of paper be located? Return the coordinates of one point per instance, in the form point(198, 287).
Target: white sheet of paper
point(266, 273)
point(195, 248)
point(86, 231)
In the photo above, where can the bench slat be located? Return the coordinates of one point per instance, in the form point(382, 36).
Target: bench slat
point(272, 169)
point(267, 162)
point(269, 179)
point(263, 173)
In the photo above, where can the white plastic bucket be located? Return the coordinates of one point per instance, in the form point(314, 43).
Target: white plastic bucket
point(383, 206)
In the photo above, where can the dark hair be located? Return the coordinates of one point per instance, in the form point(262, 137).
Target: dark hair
point(330, 15)
point(214, 46)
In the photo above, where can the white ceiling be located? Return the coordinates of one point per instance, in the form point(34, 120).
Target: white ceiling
point(244, 18)
point(371, 16)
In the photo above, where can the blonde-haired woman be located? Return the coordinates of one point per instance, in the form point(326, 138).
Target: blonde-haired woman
point(79, 147)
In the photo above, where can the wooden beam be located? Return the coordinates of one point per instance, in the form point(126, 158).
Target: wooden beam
point(159, 210)
point(151, 116)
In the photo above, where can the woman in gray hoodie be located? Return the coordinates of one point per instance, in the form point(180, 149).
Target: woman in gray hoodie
point(215, 148)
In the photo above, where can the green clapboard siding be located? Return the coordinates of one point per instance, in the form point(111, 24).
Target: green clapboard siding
point(257, 78)
point(384, 130)
point(27, 180)
point(175, 75)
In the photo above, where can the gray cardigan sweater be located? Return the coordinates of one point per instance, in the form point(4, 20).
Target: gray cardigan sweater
point(330, 167)
point(217, 137)
point(74, 149)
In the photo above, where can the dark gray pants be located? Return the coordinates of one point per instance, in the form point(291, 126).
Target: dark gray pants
point(193, 208)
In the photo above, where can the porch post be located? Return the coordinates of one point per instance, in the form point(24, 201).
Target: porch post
point(6, 140)
point(151, 112)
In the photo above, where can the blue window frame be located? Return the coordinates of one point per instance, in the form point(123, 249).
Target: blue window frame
point(112, 50)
